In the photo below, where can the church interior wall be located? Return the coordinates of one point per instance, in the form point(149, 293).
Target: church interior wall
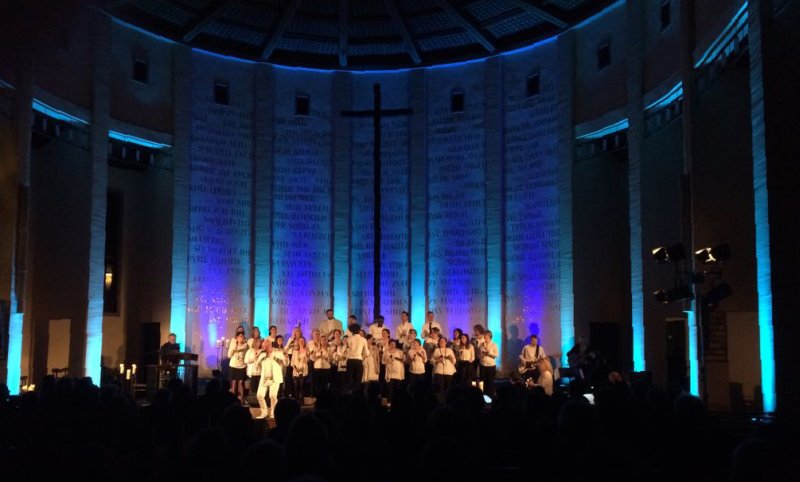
point(662, 46)
point(220, 200)
point(782, 59)
point(147, 104)
point(530, 196)
point(600, 90)
point(60, 200)
point(662, 169)
point(226, 135)
point(601, 245)
point(395, 157)
point(8, 192)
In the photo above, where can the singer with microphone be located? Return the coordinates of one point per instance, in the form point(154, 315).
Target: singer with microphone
point(444, 367)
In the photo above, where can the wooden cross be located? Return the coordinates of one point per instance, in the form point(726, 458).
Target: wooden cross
point(377, 113)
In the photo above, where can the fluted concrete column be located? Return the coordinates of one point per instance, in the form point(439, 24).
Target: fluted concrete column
point(181, 192)
point(101, 104)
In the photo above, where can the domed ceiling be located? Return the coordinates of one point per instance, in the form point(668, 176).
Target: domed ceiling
point(355, 34)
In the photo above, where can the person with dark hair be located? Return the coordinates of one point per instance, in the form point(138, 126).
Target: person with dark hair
point(329, 324)
point(406, 346)
point(430, 343)
point(170, 348)
point(430, 324)
point(455, 344)
point(284, 413)
point(382, 344)
point(238, 368)
point(376, 328)
point(466, 360)
point(403, 329)
point(273, 332)
point(477, 343)
point(356, 350)
point(395, 370)
point(489, 353)
point(444, 367)
point(529, 358)
point(339, 351)
point(308, 448)
point(372, 362)
point(417, 360)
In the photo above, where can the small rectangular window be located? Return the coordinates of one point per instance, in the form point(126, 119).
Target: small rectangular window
point(603, 55)
point(302, 105)
point(666, 13)
point(532, 85)
point(141, 70)
point(457, 101)
point(221, 93)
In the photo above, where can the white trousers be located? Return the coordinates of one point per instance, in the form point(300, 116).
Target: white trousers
point(272, 390)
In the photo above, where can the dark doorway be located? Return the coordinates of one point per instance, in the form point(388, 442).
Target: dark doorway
point(604, 338)
point(150, 342)
point(677, 367)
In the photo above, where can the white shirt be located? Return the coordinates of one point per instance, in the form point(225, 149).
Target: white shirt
point(416, 361)
point(529, 354)
point(357, 348)
point(291, 345)
point(393, 359)
point(299, 363)
point(371, 370)
point(253, 368)
point(429, 345)
point(444, 361)
point(322, 358)
point(382, 345)
point(428, 326)
point(340, 357)
point(279, 356)
point(312, 347)
point(271, 371)
point(376, 331)
point(327, 327)
point(467, 354)
point(489, 354)
point(236, 353)
point(402, 331)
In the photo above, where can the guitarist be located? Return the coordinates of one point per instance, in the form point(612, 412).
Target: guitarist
point(529, 357)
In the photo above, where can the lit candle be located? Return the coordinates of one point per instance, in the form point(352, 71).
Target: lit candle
point(128, 374)
point(134, 368)
point(121, 368)
point(480, 385)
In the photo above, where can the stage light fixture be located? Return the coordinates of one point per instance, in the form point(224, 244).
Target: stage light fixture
point(717, 294)
point(713, 255)
point(664, 254)
point(679, 293)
